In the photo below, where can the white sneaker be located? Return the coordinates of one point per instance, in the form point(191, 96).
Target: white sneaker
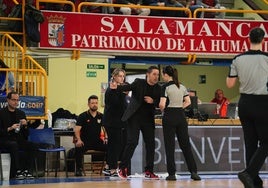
point(27, 174)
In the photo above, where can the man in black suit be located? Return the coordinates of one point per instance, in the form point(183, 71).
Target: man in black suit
point(140, 117)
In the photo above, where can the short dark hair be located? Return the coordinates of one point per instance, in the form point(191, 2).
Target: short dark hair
point(92, 97)
point(256, 35)
point(9, 94)
point(151, 68)
point(192, 91)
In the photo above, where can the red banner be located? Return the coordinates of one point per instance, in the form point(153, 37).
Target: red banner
point(120, 33)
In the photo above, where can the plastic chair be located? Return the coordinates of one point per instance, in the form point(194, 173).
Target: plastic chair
point(46, 137)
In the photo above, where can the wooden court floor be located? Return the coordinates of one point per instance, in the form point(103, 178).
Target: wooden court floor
point(208, 181)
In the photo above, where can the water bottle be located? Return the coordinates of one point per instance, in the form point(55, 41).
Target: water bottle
point(17, 130)
point(236, 113)
point(49, 118)
point(42, 123)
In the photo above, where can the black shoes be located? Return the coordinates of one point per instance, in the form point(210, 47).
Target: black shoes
point(27, 174)
point(109, 172)
point(258, 183)
point(245, 178)
point(171, 178)
point(79, 172)
point(114, 174)
point(195, 176)
point(19, 175)
point(106, 172)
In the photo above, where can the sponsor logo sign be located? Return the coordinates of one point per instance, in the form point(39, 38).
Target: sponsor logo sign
point(31, 105)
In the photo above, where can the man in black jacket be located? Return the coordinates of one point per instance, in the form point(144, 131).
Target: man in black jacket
point(140, 117)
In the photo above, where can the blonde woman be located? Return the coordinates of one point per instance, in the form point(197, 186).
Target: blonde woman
point(115, 105)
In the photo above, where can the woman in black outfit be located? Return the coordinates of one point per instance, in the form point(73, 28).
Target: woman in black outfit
point(115, 105)
point(174, 98)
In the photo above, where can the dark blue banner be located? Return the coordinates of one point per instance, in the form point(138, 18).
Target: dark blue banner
point(31, 105)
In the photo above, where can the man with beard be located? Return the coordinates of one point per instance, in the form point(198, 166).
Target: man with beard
point(87, 133)
point(140, 117)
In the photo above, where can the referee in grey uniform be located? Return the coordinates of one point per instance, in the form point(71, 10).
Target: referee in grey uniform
point(174, 97)
point(251, 67)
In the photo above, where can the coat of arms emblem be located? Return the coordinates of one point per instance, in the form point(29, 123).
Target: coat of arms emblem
point(56, 30)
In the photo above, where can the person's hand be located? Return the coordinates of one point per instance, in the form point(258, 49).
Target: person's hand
point(113, 85)
point(15, 126)
point(79, 143)
point(23, 122)
point(148, 100)
point(161, 107)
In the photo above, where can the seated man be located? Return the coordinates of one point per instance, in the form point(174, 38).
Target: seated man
point(191, 111)
point(87, 133)
point(181, 3)
point(129, 11)
point(159, 3)
point(222, 103)
point(192, 93)
point(214, 4)
point(13, 138)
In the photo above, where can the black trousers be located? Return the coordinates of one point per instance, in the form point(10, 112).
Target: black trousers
point(116, 144)
point(20, 150)
point(134, 126)
point(252, 111)
point(174, 123)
